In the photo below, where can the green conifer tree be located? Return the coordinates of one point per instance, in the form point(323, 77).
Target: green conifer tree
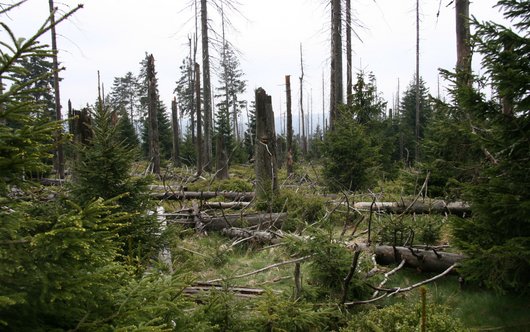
point(497, 238)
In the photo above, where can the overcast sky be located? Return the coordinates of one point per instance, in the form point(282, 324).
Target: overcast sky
point(112, 36)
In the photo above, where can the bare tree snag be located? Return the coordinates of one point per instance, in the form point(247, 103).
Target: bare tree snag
point(335, 91)
point(221, 163)
point(349, 73)
point(266, 168)
point(289, 126)
point(59, 154)
point(175, 127)
point(154, 145)
point(303, 133)
point(208, 124)
point(463, 47)
point(199, 122)
point(297, 281)
point(417, 123)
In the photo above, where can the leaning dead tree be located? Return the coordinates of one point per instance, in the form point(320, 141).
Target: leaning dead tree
point(266, 167)
point(154, 144)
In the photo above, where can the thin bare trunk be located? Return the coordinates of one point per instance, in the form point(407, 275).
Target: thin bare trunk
point(289, 126)
point(335, 92)
point(349, 74)
point(59, 155)
point(303, 137)
point(199, 124)
point(175, 124)
point(417, 126)
point(208, 124)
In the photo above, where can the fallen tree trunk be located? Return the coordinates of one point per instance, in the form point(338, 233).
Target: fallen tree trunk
point(218, 223)
point(203, 287)
point(430, 206)
point(203, 195)
point(423, 260)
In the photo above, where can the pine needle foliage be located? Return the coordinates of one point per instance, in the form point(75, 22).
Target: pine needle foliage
point(497, 238)
point(102, 170)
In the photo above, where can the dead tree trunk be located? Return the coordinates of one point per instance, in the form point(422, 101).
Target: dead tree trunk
point(154, 145)
point(349, 74)
point(417, 126)
point(208, 126)
point(199, 122)
point(289, 126)
point(175, 124)
point(421, 259)
point(266, 168)
point(221, 172)
point(335, 91)
point(303, 134)
point(59, 155)
point(463, 48)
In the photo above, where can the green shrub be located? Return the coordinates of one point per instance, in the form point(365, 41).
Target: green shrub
point(403, 318)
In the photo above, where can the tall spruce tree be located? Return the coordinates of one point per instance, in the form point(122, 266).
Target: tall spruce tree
point(407, 118)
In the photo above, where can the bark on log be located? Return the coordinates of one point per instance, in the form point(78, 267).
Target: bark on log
point(183, 195)
point(423, 260)
point(241, 292)
point(433, 206)
point(228, 221)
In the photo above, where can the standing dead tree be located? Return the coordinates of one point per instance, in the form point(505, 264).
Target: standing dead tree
point(266, 167)
point(199, 122)
point(59, 155)
point(175, 127)
point(335, 91)
point(303, 134)
point(289, 126)
point(463, 48)
point(349, 74)
point(417, 126)
point(154, 145)
point(208, 123)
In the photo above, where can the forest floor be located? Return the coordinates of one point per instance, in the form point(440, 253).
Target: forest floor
point(210, 255)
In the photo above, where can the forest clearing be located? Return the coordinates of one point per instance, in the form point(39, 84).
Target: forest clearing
point(127, 216)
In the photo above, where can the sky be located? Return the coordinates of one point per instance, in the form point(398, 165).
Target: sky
point(112, 36)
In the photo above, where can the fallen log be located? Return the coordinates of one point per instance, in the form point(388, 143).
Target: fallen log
point(217, 223)
point(226, 205)
point(203, 287)
point(421, 259)
point(425, 260)
point(430, 206)
point(203, 195)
